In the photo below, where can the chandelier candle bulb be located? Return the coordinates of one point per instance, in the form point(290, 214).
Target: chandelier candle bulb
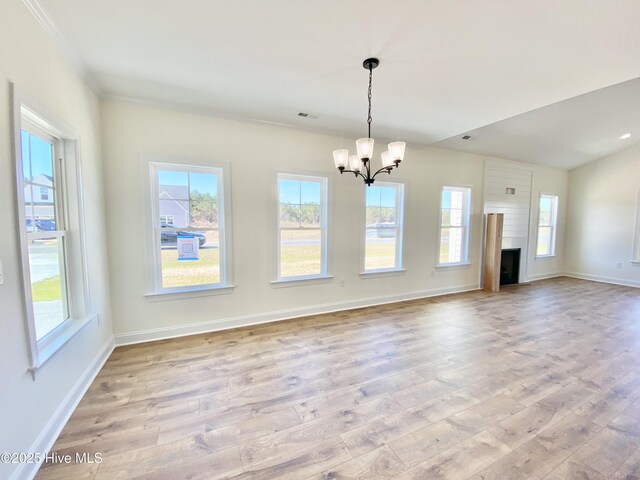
point(387, 162)
point(341, 158)
point(365, 148)
point(396, 150)
point(354, 163)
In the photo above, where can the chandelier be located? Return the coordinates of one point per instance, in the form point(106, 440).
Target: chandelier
point(360, 164)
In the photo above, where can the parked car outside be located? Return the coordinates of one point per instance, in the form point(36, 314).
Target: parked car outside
point(169, 237)
point(385, 230)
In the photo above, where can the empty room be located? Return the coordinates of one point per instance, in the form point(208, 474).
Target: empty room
point(294, 239)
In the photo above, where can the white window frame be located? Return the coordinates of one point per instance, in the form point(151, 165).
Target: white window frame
point(400, 188)
point(635, 259)
point(553, 224)
point(466, 225)
point(324, 227)
point(157, 291)
point(28, 114)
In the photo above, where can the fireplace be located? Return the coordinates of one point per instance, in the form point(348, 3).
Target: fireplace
point(510, 266)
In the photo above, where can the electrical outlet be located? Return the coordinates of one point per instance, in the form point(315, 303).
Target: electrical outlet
point(433, 272)
point(342, 282)
point(619, 265)
point(1, 275)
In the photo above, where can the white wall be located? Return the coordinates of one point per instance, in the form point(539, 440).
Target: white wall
point(550, 181)
point(603, 202)
point(521, 211)
point(255, 151)
point(31, 411)
point(133, 133)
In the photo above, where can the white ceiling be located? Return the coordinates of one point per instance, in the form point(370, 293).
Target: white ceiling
point(447, 67)
point(565, 134)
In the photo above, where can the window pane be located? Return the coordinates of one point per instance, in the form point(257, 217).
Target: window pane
point(39, 184)
point(290, 216)
point(204, 210)
point(457, 199)
point(173, 185)
point(545, 217)
point(373, 196)
point(176, 209)
point(381, 207)
point(310, 216)
point(289, 191)
point(310, 193)
point(451, 245)
point(455, 217)
point(380, 248)
point(300, 252)
point(446, 218)
point(203, 183)
point(545, 204)
point(46, 267)
point(202, 270)
point(204, 200)
point(455, 220)
point(544, 241)
point(374, 216)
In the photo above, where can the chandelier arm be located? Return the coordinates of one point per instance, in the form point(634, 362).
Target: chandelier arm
point(353, 171)
point(387, 169)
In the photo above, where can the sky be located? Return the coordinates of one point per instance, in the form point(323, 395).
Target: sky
point(381, 196)
point(202, 182)
point(299, 192)
point(37, 156)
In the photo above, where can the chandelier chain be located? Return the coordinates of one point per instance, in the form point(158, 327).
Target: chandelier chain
point(369, 97)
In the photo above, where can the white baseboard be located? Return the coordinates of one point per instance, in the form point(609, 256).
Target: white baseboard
point(54, 426)
point(599, 278)
point(255, 319)
point(544, 276)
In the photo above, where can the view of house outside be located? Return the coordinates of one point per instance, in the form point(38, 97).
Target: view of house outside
point(46, 253)
point(188, 205)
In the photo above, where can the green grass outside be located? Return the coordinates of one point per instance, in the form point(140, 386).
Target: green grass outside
point(47, 290)
point(305, 259)
point(380, 255)
point(296, 261)
point(300, 260)
point(182, 273)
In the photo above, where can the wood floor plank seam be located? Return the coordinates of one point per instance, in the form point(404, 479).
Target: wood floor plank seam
point(538, 381)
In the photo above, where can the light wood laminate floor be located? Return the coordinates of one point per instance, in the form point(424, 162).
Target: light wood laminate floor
point(540, 381)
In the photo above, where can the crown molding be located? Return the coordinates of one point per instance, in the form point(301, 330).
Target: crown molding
point(63, 45)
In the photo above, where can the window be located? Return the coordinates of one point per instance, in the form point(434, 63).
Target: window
point(190, 234)
point(383, 226)
point(302, 227)
point(51, 228)
point(166, 220)
point(455, 214)
point(45, 229)
point(44, 193)
point(547, 220)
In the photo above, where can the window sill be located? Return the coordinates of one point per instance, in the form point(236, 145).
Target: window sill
point(635, 263)
point(179, 294)
point(542, 257)
point(49, 347)
point(453, 266)
point(391, 272)
point(296, 281)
